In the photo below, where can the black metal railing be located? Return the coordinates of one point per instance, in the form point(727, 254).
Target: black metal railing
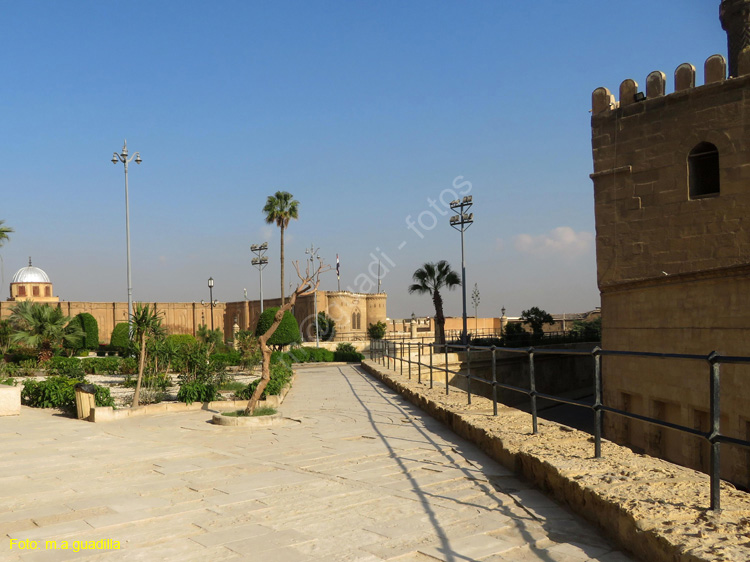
point(387, 352)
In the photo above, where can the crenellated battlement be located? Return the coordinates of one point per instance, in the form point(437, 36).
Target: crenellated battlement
point(715, 71)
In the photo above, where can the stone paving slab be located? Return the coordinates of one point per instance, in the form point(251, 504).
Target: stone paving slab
point(365, 477)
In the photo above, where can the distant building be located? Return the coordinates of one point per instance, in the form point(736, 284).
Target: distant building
point(31, 284)
point(672, 194)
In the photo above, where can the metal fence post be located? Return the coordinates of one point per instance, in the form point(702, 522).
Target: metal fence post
point(419, 363)
point(431, 349)
point(494, 382)
point(468, 372)
point(401, 358)
point(408, 358)
point(445, 348)
point(532, 386)
point(715, 468)
point(596, 352)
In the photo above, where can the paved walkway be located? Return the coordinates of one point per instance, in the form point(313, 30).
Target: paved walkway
point(360, 476)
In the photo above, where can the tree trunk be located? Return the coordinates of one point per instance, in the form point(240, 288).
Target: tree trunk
point(142, 363)
point(439, 318)
point(282, 265)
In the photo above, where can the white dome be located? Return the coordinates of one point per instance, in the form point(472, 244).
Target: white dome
point(30, 274)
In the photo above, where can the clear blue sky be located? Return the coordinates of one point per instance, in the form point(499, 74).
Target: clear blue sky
point(362, 110)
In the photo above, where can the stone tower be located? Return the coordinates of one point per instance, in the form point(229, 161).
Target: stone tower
point(672, 205)
point(735, 20)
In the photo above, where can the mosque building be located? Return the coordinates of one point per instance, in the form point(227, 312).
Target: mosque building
point(31, 283)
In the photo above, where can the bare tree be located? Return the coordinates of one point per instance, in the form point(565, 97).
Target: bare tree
point(309, 282)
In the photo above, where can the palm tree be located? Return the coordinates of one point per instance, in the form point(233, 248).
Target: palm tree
point(44, 328)
point(280, 209)
point(146, 323)
point(4, 231)
point(430, 278)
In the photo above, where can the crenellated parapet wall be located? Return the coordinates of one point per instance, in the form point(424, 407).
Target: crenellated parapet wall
point(715, 71)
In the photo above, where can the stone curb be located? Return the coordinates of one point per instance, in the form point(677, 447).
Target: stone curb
point(107, 413)
point(256, 421)
point(635, 522)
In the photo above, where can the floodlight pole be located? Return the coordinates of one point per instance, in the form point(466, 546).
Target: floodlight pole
point(260, 261)
point(123, 157)
point(461, 221)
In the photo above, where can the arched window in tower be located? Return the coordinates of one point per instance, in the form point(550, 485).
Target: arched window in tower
point(359, 321)
point(703, 170)
point(356, 320)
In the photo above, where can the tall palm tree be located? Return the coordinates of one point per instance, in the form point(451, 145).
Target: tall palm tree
point(4, 231)
point(146, 324)
point(430, 278)
point(280, 209)
point(43, 327)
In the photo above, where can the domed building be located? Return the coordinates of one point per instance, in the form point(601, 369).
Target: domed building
point(31, 284)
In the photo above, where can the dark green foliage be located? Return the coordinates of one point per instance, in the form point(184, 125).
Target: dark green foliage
point(280, 357)
point(120, 339)
point(66, 367)
point(348, 356)
point(182, 340)
point(20, 356)
point(215, 337)
point(5, 332)
point(588, 331)
point(128, 366)
point(377, 331)
point(59, 392)
point(281, 374)
point(101, 365)
point(90, 328)
point(159, 381)
point(326, 327)
point(229, 358)
point(287, 331)
point(514, 335)
point(537, 318)
point(346, 347)
point(197, 391)
point(9, 381)
point(299, 355)
point(320, 355)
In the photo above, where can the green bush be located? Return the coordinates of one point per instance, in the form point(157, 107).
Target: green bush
point(345, 347)
point(287, 331)
point(280, 357)
point(66, 367)
point(59, 392)
point(281, 374)
point(120, 339)
point(326, 327)
point(160, 381)
point(101, 365)
point(197, 391)
point(89, 326)
point(298, 355)
point(348, 357)
point(229, 358)
point(182, 340)
point(377, 331)
point(320, 355)
point(128, 366)
point(9, 381)
point(21, 355)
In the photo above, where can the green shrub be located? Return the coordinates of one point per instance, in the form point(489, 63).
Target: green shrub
point(320, 355)
point(181, 340)
point(9, 381)
point(101, 365)
point(128, 366)
point(326, 327)
point(27, 368)
point(247, 344)
point(287, 331)
point(89, 326)
point(120, 339)
point(229, 358)
point(59, 392)
point(299, 355)
point(348, 357)
point(377, 331)
point(281, 374)
point(280, 357)
point(21, 355)
point(160, 381)
point(197, 391)
point(346, 347)
point(66, 367)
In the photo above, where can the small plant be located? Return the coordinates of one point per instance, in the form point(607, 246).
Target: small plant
point(261, 411)
point(128, 366)
point(59, 392)
point(345, 347)
point(159, 381)
point(281, 374)
point(197, 391)
point(377, 331)
point(326, 327)
point(234, 386)
point(27, 367)
point(9, 381)
point(66, 367)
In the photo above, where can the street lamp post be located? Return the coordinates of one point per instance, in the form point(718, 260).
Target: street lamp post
point(260, 262)
point(211, 302)
point(123, 157)
point(461, 221)
point(314, 254)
